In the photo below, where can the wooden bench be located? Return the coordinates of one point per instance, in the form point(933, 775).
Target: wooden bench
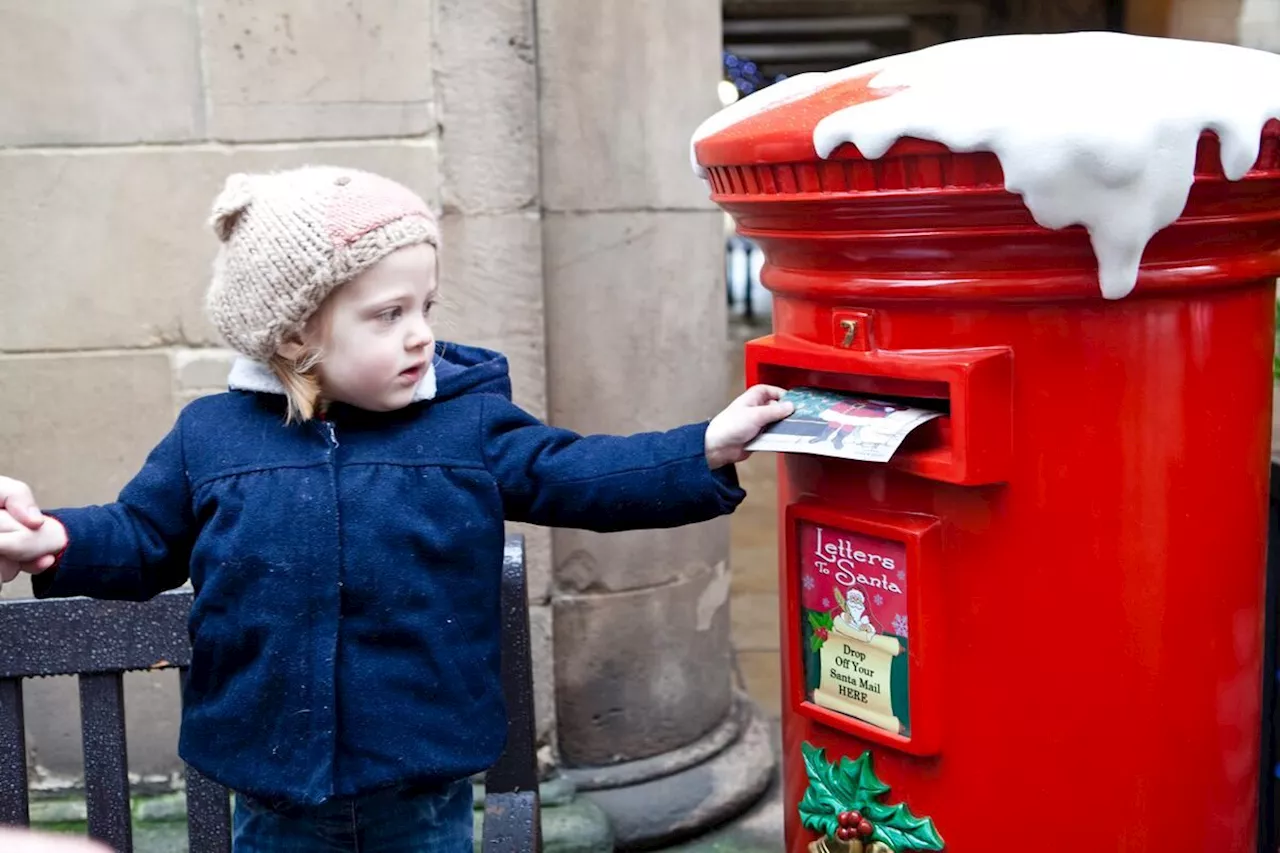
point(99, 641)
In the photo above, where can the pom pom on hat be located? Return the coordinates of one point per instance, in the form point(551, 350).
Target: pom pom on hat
point(288, 239)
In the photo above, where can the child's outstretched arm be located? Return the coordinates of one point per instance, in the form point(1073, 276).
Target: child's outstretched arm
point(556, 477)
point(132, 549)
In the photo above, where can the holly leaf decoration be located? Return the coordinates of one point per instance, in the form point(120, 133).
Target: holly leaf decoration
point(819, 812)
point(900, 829)
point(829, 791)
point(863, 778)
point(852, 785)
point(815, 643)
point(821, 619)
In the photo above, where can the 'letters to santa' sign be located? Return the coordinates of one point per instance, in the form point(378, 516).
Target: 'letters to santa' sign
point(853, 597)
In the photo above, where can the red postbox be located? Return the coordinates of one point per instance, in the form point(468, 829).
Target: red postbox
point(1066, 571)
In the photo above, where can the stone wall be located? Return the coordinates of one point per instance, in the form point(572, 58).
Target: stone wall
point(1259, 24)
point(119, 120)
point(642, 641)
point(1204, 20)
point(576, 240)
point(1252, 23)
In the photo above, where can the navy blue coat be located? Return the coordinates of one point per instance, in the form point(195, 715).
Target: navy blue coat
point(346, 571)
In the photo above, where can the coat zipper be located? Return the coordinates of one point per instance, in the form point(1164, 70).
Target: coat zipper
point(331, 437)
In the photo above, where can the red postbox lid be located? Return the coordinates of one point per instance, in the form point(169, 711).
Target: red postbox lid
point(1104, 130)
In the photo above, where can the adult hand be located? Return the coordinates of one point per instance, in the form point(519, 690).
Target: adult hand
point(17, 500)
point(25, 841)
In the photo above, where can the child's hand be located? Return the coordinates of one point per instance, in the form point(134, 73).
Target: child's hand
point(25, 550)
point(741, 421)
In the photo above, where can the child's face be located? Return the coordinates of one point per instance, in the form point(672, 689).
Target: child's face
point(374, 332)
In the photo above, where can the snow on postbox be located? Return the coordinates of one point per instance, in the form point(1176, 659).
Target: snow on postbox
point(1038, 626)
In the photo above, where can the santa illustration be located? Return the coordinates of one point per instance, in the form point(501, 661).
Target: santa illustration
point(846, 416)
point(855, 620)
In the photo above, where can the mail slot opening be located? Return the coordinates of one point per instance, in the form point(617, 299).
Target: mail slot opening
point(856, 426)
point(967, 443)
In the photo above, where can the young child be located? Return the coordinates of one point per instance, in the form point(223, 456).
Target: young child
point(340, 515)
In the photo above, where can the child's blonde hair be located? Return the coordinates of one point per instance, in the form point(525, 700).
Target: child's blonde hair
point(301, 385)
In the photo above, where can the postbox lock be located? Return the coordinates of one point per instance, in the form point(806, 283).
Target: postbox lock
point(851, 329)
point(850, 332)
point(843, 802)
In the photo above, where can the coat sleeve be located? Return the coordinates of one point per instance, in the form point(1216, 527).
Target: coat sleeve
point(555, 477)
point(132, 549)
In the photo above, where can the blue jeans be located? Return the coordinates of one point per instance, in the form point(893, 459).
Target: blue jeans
point(397, 820)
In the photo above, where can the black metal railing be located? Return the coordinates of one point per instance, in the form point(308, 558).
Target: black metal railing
point(99, 641)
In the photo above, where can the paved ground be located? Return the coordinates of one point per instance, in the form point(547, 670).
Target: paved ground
point(759, 831)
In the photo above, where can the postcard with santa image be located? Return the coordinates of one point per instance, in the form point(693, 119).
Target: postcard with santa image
point(829, 423)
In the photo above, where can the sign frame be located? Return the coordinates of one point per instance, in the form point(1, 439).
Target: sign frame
point(921, 538)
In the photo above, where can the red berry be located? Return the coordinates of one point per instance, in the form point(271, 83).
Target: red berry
point(855, 818)
point(847, 819)
point(844, 833)
point(822, 634)
point(864, 829)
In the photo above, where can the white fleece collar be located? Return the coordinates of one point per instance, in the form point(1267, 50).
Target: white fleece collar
point(250, 375)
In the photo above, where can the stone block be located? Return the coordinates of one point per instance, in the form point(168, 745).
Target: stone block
point(635, 319)
point(643, 672)
point(1258, 24)
point(622, 88)
point(635, 559)
point(1205, 20)
point(110, 248)
point(486, 85)
point(544, 674)
point(296, 69)
point(78, 427)
point(202, 369)
point(110, 71)
point(492, 296)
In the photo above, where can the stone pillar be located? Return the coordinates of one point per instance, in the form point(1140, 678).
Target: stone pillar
point(1259, 24)
point(648, 723)
point(1204, 20)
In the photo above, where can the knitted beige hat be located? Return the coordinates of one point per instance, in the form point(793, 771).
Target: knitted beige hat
point(289, 238)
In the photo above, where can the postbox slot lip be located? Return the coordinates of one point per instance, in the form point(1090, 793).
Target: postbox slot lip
point(969, 445)
point(924, 394)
